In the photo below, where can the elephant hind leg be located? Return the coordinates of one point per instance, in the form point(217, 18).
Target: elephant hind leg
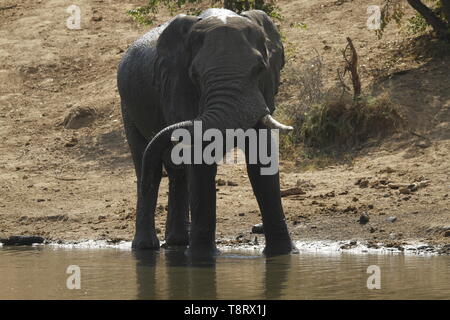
point(145, 236)
point(177, 222)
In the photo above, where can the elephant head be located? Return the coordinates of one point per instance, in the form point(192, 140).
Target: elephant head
point(220, 68)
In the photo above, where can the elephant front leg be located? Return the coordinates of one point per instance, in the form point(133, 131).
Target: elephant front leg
point(266, 187)
point(178, 212)
point(267, 191)
point(202, 200)
point(145, 236)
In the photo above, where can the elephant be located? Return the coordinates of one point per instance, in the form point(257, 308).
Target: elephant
point(221, 69)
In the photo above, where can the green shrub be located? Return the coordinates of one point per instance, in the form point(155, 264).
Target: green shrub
point(147, 14)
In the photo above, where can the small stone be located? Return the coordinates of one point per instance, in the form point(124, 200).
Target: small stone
point(405, 190)
point(79, 117)
point(241, 214)
point(97, 18)
point(391, 219)
point(362, 183)
point(364, 218)
point(232, 184)
point(423, 144)
point(72, 143)
point(258, 228)
point(221, 182)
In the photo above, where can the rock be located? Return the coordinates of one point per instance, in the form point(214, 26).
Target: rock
point(305, 184)
point(362, 183)
point(258, 228)
point(349, 245)
point(350, 209)
point(22, 240)
point(330, 194)
point(405, 191)
point(232, 184)
point(447, 233)
point(97, 18)
point(391, 219)
point(291, 192)
point(373, 245)
point(423, 144)
point(398, 185)
point(241, 214)
point(364, 218)
point(221, 182)
point(72, 143)
point(445, 249)
point(79, 117)
point(387, 170)
point(372, 230)
point(392, 236)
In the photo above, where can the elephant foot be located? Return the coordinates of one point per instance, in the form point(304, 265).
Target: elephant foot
point(280, 248)
point(147, 242)
point(198, 251)
point(177, 240)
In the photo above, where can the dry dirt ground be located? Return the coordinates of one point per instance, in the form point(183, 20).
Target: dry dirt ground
point(76, 184)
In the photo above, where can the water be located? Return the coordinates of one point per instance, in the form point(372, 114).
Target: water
point(40, 273)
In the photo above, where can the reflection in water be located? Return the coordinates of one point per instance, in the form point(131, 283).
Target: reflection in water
point(276, 276)
point(40, 273)
point(146, 273)
point(182, 278)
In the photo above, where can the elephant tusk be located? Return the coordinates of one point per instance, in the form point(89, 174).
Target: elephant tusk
point(270, 122)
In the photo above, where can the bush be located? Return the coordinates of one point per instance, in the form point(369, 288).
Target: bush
point(147, 14)
point(333, 119)
point(343, 124)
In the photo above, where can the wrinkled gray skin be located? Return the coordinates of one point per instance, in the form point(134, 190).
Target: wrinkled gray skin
point(219, 68)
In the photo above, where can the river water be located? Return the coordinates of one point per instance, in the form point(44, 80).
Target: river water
point(43, 272)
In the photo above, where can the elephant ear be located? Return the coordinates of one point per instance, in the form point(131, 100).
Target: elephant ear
point(176, 90)
point(275, 51)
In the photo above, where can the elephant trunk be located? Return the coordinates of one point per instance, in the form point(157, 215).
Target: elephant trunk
point(210, 119)
point(153, 154)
